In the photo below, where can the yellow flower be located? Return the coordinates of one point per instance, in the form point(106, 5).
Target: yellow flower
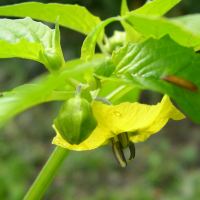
point(138, 120)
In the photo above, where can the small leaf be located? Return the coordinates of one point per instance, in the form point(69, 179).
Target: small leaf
point(144, 64)
point(74, 17)
point(12, 31)
point(124, 8)
point(131, 35)
point(25, 38)
point(22, 49)
point(184, 30)
point(156, 7)
point(88, 47)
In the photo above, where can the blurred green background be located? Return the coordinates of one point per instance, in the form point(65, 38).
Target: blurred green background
point(166, 165)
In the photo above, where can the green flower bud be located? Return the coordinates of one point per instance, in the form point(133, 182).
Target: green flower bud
point(116, 41)
point(53, 58)
point(75, 121)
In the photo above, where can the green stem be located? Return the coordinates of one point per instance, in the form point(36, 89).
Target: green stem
point(47, 174)
point(74, 83)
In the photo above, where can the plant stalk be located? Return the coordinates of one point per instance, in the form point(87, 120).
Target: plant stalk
point(47, 174)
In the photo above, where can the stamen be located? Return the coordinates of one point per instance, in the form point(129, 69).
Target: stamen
point(118, 153)
point(132, 151)
point(117, 148)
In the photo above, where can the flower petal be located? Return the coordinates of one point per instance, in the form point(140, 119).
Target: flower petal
point(130, 117)
point(97, 138)
point(166, 110)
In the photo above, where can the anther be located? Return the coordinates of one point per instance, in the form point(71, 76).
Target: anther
point(132, 151)
point(118, 153)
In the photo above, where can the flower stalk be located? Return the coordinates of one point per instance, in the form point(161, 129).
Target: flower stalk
point(47, 174)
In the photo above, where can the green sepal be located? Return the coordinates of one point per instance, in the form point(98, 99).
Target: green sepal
point(75, 121)
point(53, 59)
point(53, 56)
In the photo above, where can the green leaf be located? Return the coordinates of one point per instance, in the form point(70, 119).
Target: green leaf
point(124, 8)
point(145, 64)
point(22, 49)
point(88, 47)
point(12, 31)
point(156, 7)
point(153, 8)
point(74, 17)
point(131, 34)
point(29, 95)
point(184, 30)
point(25, 38)
point(106, 68)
